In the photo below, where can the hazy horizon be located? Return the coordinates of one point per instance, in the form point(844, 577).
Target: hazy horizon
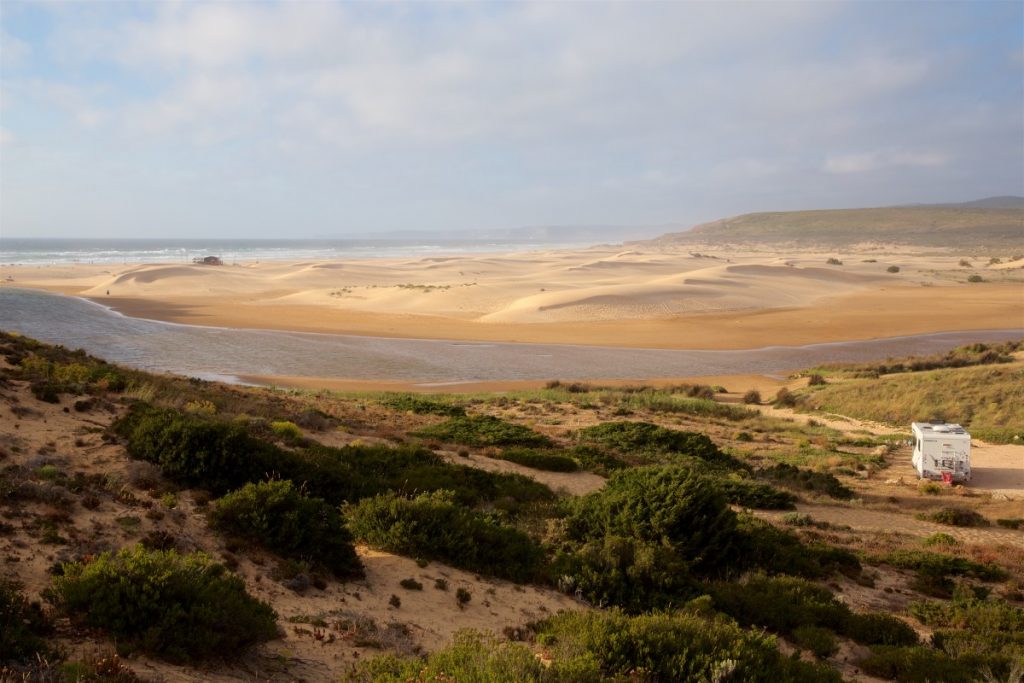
point(322, 120)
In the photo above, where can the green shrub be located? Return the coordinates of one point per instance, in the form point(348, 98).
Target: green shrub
point(820, 641)
point(879, 628)
point(434, 526)
point(664, 505)
point(966, 611)
point(462, 597)
point(940, 539)
point(178, 607)
point(410, 403)
point(221, 456)
point(975, 278)
point(612, 646)
point(750, 494)
point(411, 584)
point(286, 430)
point(957, 517)
point(217, 456)
point(484, 430)
point(1015, 523)
point(540, 460)
point(620, 570)
point(752, 397)
point(23, 626)
point(646, 439)
point(780, 604)
point(919, 665)
point(778, 551)
point(471, 657)
point(595, 459)
point(816, 380)
point(940, 564)
point(933, 570)
point(806, 480)
point(275, 515)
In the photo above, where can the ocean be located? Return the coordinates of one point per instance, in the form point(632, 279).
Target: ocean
point(32, 251)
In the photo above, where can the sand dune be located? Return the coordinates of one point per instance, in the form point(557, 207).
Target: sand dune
point(662, 297)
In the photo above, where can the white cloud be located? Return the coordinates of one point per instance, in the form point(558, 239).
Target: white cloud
point(14, 52)
point(871, 161)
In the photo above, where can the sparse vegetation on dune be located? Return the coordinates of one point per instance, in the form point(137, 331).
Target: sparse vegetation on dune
point(681, 584)
point(988, 400)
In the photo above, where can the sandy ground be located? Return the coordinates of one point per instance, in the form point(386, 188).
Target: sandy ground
point(660, 298)
point(357, 618)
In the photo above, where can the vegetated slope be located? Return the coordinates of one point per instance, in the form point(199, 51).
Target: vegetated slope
point(933, 226)
point(78, 495)
point(988, 400)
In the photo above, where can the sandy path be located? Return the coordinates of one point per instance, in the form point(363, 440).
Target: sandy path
point(879, 520)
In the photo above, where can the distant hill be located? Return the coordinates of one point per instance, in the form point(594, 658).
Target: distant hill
point(995, 222)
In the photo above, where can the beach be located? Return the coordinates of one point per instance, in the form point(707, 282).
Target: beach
point(693, 298)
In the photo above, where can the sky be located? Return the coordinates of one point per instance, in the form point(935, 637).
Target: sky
point(314, 119)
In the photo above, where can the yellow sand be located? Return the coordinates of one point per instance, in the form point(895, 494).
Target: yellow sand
point(641, 296)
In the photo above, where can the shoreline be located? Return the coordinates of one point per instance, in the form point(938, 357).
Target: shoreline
point(735, 384)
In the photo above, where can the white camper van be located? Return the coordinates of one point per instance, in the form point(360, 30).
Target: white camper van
point(942, 451)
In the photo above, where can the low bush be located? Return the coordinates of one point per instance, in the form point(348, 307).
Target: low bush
point(975, 278)
point(595, 459)
point(221, 456)
point(550, 461)
point(752, 397)
point(892, 269)
point(940, 539)
point(411, 584)
point(23, 626)
point(483, 430)
point(834, 262)
point(634, 575)
point(672, 506)
point(411, 403)
point(806, 480)
point(177, 607)
point(934, 570)
point(785, 398)
point(778, 551)
point(1014, 523)
point(275, 515)
point(967, 611)
point(471, 656)
point(288, 431)
point(920, 665)
point(821, 642)
point(750, 494)
point(612, 646)
point(780, 604)
point(878, 628)
point(957, 517)
point(436, 527)
point(646, 439)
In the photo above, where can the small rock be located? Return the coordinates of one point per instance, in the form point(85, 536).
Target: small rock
point(299, 583)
